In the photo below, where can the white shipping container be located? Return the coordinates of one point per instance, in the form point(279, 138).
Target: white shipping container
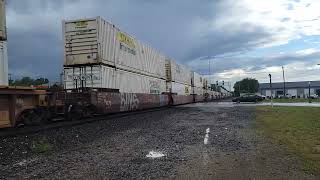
point(96, 41)
point(197, 90)
point(197, 80)
point(3, 28)
point(178, 73)
point(181, 89)
point(134, 83)
point(205, 83)
point(89, 76)
point(107, 77)
point(3, 64)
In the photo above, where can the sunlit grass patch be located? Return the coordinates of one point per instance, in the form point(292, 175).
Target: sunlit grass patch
point(296, 127)
point(293, 100)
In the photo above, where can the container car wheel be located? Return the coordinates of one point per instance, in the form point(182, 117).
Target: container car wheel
point(75, 113)
point(89, 111)
point(33, 117)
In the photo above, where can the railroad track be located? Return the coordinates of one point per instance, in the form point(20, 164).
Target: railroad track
point(59, 124)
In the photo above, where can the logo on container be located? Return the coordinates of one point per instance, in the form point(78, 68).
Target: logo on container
point(186, 89)
point(126, 40)
point(81, 24)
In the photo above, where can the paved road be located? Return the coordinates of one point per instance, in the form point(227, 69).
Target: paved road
point(197, 141)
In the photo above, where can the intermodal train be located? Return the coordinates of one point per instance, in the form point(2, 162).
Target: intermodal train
point(105, 71)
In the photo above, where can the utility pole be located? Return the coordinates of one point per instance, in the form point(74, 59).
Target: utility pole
point(209, 71)
point(10, 79)
point(61, 79)
point(239, 88)
point(271, 89)
point(309, 92)
point(284, 84)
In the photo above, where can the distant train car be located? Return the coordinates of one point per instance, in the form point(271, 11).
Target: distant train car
point(197, 87)
point(179, 83)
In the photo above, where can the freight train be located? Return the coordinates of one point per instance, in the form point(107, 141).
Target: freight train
point(106, 71)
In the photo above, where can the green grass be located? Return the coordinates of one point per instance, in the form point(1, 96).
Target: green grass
point(42, 147)
point(292, 100)
point(298, 128)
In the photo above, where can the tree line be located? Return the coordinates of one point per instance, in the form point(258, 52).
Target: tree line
point(28, 81)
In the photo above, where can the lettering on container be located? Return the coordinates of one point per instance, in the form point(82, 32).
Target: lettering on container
point(127, 49)
point(104, 101)
point(81, 24)
point(107, 103)
point(19, 102)
point(154, 87)
point(127, 44)
point(129, 102)
point(186, 89)
point(126, 40)
point(82, 77)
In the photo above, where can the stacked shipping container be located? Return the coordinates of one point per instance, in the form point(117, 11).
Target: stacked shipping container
point(3, 28)
point(197, 87)
point(3, 46)
point(179, 78)
point(197, 84)
point(100, 76)
point(99, 55)
point(3, 64)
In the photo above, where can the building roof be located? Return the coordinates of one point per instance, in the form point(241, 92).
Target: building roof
point(301, 84)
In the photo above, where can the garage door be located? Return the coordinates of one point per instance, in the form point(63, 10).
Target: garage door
point(292, 92)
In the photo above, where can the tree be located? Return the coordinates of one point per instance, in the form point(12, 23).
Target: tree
point(27, 81)
point(247, 85)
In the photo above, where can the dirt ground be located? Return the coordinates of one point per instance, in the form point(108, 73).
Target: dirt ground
point(197, 141)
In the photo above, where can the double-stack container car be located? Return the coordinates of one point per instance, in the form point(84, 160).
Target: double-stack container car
point(105, 71)
point(197, 87)
point(123, 73)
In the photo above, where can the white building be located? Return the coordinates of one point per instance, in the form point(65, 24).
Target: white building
point(293, 89)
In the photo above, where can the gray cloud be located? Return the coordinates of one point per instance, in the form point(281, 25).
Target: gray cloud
point(181, 29)
point(219, 65)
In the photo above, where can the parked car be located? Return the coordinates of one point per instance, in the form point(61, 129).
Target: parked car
point(248, 98)
point(314, 96)
point(288, 96)
point(263, 97)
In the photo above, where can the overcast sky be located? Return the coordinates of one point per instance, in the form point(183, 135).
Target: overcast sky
point(242, 38)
